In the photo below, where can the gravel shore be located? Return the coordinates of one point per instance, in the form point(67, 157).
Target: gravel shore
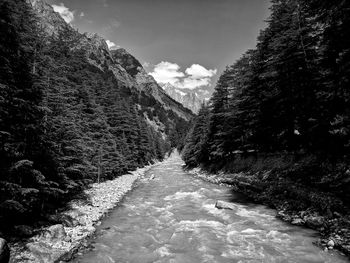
point(59, 242)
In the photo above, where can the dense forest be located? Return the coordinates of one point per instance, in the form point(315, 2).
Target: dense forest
point(65, 123)
point(288, 99)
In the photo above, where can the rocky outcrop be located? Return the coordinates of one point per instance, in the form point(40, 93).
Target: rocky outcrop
point(127, 70)
point(190, 100)
point(4, 251)
point(147, 83)
point(51, 21)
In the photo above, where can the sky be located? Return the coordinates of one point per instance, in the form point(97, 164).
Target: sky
point(187, 43)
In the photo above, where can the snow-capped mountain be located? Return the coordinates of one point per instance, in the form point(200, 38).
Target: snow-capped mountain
point(190, 99)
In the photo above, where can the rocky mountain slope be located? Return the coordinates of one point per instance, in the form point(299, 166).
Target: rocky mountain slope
point(126, 69)
point(188, 99)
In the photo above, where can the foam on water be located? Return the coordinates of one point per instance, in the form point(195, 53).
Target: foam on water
point(181, 195)
point(174, 219)
point(221, 213)
point(187, 225)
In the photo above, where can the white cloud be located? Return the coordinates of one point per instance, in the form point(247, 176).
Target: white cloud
point(167, 72)
point(196, 76)
point(111, 45)
point(198, 71)
point(64, 12)
point(191, 83)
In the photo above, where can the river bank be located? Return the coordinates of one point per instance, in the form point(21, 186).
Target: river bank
point(59, 242)
point(334, 227)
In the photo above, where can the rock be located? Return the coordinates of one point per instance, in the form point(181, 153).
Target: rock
point(298, 222)
point(44, 253)
point(4, 251)
point(225, 205)
point(314, 221)
point(65, 219)
point(55, 233)
point(284, 216)
point(330, 243)
point(23, 230)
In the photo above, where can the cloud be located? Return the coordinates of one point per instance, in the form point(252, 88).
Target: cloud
point(111, 45)
point(82, 14)
point(191, 83)
point(198, 71)
point(167, 72)
point(196, 75)
point(64, 12)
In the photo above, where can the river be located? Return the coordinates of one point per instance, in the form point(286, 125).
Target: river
point(172, 218)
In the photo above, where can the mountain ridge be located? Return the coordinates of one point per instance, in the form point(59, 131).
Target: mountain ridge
point(189, 100)
point(125, 67)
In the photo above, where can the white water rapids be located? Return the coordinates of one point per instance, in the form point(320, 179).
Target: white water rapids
point(173, 218)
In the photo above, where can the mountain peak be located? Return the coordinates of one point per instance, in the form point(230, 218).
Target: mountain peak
point(51, 20)
point(188, 99)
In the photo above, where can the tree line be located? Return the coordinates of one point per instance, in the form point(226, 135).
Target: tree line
point(63, 122)
point(289, 94)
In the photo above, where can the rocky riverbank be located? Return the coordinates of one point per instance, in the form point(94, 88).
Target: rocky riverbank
point(59, 242)
point(333, 226)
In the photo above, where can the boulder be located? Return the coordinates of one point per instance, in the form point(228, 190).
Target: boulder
point(284, 216)
point(314, 221)
point(55, 233)
point(225, 205)
point(297, 222)
point(65, 219)
point(330, 243)
point(45, 253)
point(4, 251)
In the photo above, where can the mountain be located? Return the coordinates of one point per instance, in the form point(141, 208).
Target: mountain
point(189, 99)
point(125, 68)
point(72, 113)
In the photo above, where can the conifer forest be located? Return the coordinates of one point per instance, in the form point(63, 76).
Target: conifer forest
point(106, 158)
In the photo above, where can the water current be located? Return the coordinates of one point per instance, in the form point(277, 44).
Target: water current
point(172, 218)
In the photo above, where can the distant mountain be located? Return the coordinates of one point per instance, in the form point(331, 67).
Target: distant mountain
point(189, 99)
point(126, 69)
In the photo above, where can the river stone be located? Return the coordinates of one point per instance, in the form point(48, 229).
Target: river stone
point(314, 221)
point(330, 243)
point(298, 222)
point(44, 252)
point(284, 216)
point(225, 205)
point(55, 233)
point(4, 251)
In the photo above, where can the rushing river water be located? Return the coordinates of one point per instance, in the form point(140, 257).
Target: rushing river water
point(172, 218)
